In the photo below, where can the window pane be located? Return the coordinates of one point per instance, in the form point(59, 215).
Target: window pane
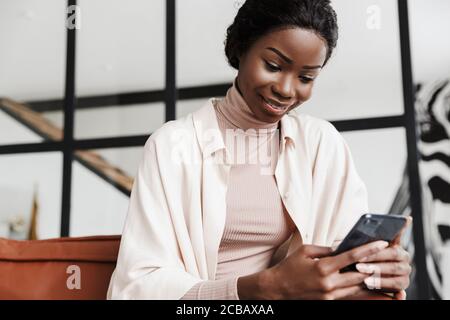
point(201, 28)
point(119, 121)
point(100, 190)
point(14, 132)
point(381, 166)
point(32, 64)
point(120, 49)
point(22, 177)
point(430, 52)
point(114, 121)
point(363, 79)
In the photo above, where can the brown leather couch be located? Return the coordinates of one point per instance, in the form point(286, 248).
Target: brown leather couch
point(62, 268)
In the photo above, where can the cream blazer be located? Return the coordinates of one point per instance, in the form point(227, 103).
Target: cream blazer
point(177, 207)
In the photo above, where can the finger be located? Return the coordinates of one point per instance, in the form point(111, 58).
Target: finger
point(398, 238)
point(332, 264)
point(343, 293)
point(385, 268)
point(401, 295)
point(389, 284)
point(348, 279)
point(316, 251)
point(395, 253)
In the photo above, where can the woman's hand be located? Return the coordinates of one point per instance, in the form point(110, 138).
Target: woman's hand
point(389, 269)
point(311, 273)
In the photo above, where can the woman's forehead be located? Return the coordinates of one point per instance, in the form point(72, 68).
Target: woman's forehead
point(300, 45)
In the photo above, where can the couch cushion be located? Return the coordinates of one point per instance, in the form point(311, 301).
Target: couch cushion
point(62, 268)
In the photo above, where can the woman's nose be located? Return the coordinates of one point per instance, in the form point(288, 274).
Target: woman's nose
point(284, 88)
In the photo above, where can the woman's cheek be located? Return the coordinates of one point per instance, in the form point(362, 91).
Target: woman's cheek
point(263, 76)
point(306, 91)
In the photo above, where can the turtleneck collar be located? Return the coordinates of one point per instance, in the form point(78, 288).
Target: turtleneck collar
point(238, 114)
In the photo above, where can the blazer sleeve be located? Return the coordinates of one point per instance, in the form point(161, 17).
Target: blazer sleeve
point(340, 194)
point(150, 263)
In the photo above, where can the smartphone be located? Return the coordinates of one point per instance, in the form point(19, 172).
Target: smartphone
point(369, 228)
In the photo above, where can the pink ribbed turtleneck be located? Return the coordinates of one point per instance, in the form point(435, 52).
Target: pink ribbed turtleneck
point(256, 221)
point(237, 114)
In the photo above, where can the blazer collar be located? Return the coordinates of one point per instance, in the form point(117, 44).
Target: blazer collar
point(207, 130)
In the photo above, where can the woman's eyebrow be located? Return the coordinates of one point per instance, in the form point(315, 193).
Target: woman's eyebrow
point(311, 67)
point(290, 61)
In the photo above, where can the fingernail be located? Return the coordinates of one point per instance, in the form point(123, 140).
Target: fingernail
point(364, 268)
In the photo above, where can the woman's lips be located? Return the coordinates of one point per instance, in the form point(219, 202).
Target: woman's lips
point(273, 107)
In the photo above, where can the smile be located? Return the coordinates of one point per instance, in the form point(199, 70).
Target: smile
point(274, 107)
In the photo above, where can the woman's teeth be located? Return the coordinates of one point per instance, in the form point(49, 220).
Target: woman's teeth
point(277, 107)
point(274, 106)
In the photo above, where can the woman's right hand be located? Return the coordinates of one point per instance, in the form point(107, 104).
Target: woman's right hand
point(311, 273)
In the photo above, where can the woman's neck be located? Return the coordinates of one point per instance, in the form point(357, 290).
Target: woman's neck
point(238, 114)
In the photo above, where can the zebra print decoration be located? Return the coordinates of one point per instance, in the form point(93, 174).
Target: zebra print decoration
point(433, 126)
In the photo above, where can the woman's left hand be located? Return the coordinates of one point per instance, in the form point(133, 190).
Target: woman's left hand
point(390, 268)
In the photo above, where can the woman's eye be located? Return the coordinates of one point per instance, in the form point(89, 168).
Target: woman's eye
point(272, 67)
point(306, 79)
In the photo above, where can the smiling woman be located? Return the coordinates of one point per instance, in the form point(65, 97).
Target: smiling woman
point(276, 75)
point(214, 228)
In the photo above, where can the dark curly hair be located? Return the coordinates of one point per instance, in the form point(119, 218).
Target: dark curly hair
point(256, 18)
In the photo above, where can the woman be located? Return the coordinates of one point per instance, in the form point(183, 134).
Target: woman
point(244, 199)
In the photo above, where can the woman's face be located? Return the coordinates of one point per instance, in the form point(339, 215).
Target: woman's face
point(277, 72)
